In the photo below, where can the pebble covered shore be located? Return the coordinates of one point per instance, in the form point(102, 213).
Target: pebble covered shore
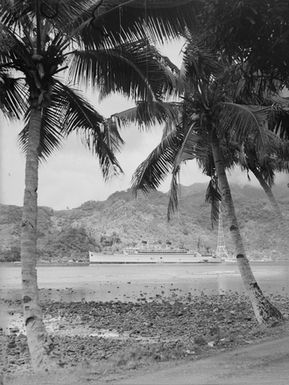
point(120, 336)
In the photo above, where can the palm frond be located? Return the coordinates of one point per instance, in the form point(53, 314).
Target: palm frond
point(186, 152)
point(279, 117)
point(12, 12)
point(281, 165)
point(14, 50)
point(13, 96)
point(147, 114)
point(134, 69)
point(98, 143)
point(126, 19)
point(59, 13)
point(50, 134)
point(242, 121)
point(153, 170)
point(177, 119)
point(68, 112)
point(62, 13)
point(200, 62)
point(78, 112)
point(188, 147)
point(100, 138)
point(52, 122)
point(204, 158)
point(113, 137)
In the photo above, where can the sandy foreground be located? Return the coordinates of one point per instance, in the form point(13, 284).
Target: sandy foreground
point(99, 342)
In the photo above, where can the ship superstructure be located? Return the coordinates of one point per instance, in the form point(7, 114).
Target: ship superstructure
point(133, 255)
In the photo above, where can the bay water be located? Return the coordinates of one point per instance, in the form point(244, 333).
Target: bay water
point(125, 282)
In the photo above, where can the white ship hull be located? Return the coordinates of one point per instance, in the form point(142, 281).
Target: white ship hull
point(150, 258)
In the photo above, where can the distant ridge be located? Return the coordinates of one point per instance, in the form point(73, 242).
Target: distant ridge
point(123, 220)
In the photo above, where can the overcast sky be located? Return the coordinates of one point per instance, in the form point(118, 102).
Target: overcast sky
point(71, 175)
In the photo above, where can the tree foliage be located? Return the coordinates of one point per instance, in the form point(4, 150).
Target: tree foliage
point(254, 33)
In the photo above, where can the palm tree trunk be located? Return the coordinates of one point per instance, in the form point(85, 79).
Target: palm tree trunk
point(37, 337)
point(268, 191)
point(263, 309)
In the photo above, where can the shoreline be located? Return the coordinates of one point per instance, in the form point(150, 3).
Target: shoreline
point(122, 336)
point(67, 264)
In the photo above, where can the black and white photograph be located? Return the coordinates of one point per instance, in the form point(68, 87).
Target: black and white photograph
point(144, 192)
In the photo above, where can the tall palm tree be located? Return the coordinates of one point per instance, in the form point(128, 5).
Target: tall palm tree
point(210, 115)
point(101, 43)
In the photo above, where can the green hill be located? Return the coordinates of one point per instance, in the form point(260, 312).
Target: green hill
point(123, 220)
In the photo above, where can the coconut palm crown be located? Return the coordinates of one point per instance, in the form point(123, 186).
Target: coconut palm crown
point(113, 61)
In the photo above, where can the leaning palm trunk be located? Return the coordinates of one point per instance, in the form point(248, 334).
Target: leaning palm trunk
point(268, 191)
point(37, 338)
point(263, 309)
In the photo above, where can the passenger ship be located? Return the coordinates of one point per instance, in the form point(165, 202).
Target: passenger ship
point(133, 255)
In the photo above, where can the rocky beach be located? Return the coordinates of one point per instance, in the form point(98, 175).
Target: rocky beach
point(108, 340)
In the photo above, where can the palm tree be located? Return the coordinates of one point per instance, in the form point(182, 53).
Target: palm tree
point(210, 116)
point(101, 43)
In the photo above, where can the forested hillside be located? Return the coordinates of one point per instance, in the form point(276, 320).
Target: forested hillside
point(123, 220)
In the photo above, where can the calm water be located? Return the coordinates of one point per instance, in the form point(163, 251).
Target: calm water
point(128, 282)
